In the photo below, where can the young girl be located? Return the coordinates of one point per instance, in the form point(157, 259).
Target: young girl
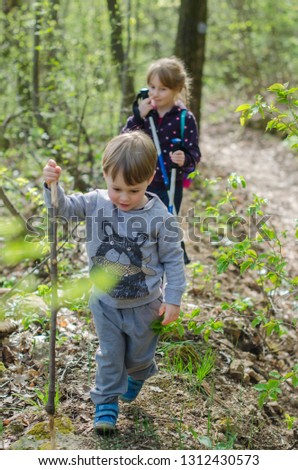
point(167, 82)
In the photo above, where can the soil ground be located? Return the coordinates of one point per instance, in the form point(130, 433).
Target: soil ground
point(173, 412)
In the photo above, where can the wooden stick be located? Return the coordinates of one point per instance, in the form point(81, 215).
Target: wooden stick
point(54, 195)
point(50, 406)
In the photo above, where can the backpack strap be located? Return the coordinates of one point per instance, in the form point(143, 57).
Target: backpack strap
point(182, 124)
point(186, 180)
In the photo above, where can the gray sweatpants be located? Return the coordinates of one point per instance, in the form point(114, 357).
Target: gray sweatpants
point(127, 346)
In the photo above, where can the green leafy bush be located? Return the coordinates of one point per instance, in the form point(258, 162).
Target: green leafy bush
point(281, 113)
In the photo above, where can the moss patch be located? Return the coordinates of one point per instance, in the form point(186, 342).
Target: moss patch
point(40, 431)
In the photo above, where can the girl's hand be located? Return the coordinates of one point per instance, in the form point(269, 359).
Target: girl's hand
point(170, 311)
point(178, 157)
point(51, 172)
point(146, 106)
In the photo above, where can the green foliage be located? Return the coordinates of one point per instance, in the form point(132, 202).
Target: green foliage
point(206, 365)
point(250, 44)
point(183, 357)
point(17, 250)
point(77, 288)
point(32, 317)
point(290, 421)
point(181, 354)
point(272, 388)
point(270, 325)
point(41, 399)
point(175, 328)
point(268, 264)
point(282, 112)
point(239, 304)
point(206, 328)
point(235, 181)
point(209, 443)
point(43, 396)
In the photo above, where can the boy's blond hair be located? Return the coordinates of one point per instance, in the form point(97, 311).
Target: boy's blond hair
point(133, 154)
point(172, 74)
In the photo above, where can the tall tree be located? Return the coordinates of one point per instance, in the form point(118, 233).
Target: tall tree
point(36, 69)
point(190, 46)
point(8, 5)
point(120, 55)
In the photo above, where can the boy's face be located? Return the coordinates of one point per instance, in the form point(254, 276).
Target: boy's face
point(126, 197)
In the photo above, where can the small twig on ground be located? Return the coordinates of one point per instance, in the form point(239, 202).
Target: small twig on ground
point(69, 366)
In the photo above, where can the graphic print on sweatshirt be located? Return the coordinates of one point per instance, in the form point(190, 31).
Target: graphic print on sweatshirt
point(123, 257)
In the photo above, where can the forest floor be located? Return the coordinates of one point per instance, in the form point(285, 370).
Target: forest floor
point(173, 411)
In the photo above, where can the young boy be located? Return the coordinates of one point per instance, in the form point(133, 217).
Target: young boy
point(131, 233)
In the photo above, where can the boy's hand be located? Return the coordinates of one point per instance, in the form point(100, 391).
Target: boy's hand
point(171, 313)
point(51, 172)
point(178, 157)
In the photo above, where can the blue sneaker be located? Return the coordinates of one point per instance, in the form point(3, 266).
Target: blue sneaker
point(105, 417)
point(134, 388)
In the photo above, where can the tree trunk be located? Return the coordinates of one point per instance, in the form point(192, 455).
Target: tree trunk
point(36, 70)
point(53, 42)
point(190, 47)
point(8, 5)
point(54, 19)
point(120, 55)
point(54, 9)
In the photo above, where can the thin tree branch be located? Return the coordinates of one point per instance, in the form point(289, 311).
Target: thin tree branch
point(12, 209)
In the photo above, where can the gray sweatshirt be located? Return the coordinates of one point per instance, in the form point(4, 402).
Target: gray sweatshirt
point(139, 246)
